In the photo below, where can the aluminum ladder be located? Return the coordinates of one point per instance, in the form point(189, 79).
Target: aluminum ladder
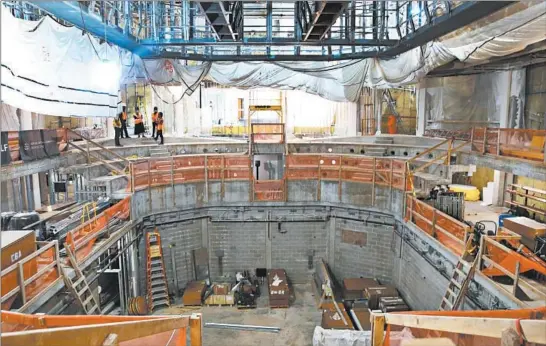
point(158, 293)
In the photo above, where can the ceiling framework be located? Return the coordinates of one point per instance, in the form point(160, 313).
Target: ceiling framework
point(263, 30)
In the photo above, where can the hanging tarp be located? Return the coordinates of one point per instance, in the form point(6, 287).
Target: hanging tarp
point(6, 155)
point(49, 68)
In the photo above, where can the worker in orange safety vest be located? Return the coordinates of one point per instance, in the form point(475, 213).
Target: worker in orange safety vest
point(123, 118)
point(159, 127)
point(155, 115)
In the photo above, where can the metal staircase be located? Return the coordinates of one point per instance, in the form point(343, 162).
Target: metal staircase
point(158, 293)
point(80, 288)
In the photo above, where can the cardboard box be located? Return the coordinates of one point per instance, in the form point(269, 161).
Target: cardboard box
point(353, 288)
point(374, 293)
point(527, 228)
point(193, 294)
point(224, 288)
point(331, 318)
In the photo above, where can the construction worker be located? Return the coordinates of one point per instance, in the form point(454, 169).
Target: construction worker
point(123, 118)
point(117, 130)
point(155, 115)
point(139, 124)
point(159, 127)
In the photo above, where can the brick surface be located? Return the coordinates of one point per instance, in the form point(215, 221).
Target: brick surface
point(291, 249)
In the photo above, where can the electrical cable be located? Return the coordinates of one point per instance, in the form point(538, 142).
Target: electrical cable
point(85, 32)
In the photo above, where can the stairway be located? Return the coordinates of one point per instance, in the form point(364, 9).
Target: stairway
point(159, 152)
point(80, 288)
point(458, 285)
point(158, 293)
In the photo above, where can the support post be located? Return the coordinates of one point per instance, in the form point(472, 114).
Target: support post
point(172, 181)
point(378, 329)
point(196, 329)
point(373, 182)
point(516, 279)
point(484, 144)
point(132, 170)
point(206, 163)
point(149, 187)
point(222, 187)
point(339, 180)
point(434, 223)
point(58, 258)
point(472, 138)
point(51, 187)
point(21, 280)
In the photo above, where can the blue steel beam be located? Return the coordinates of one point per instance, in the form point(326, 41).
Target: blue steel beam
point(71, 12)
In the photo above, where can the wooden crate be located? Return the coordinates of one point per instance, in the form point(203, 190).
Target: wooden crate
point(220, 300)
point(279, 293)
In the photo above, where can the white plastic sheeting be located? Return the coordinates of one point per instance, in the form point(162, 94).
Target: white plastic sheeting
point(338, 337)
point(49, 68)
point(343, 81)
point(495, 99)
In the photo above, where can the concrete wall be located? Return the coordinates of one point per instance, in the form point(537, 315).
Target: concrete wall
point(373, 259)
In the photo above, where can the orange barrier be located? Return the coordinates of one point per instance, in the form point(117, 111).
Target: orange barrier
point(457, 325)
point(31, 275)
point(525, 144)
point(444, 228)
point(81, 239)
point(37, 330)
point(268, 190)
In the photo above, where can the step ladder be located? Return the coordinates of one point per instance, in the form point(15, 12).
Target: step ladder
point(158, 293)
point(80, 288)
point(458, 285)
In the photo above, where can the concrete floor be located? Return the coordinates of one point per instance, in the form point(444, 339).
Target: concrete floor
point(297, 323)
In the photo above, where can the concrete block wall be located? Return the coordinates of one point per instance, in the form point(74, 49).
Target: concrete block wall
point(186, 236)
point(292, 246)
point(421, 285)
point(243, 244)
point(374, 259)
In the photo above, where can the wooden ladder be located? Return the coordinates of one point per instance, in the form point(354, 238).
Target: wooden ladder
point(458, 285)
point(158, 293)
point(80, 288)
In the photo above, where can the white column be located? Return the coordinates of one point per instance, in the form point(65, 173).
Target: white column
point(421, 116)
point(26, 124)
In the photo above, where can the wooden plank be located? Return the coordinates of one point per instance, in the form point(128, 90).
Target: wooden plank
point(94, 335)
point(196, 330)
point(488, 327)
point(378, 329)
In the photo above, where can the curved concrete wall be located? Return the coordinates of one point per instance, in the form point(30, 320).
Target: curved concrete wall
point(356, 235)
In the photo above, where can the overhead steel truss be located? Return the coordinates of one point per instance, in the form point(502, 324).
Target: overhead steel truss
point(263, 30)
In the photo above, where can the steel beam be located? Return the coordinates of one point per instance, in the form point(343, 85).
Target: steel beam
point(274, 42)
point(71, 12)
point(462, 15)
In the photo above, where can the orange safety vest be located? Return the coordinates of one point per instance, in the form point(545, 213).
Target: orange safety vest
point(123, 115)
point(160, 125)
point(138, 119)
point(154, 116)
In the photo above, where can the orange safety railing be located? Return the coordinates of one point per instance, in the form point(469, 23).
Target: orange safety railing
point(526, 144)
point(81, 239)
point(449, 231)
point(269, 190)
point(97, 330)
point(484, 328)
point(31, 275)
point(187, 169)
point(267, 133)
